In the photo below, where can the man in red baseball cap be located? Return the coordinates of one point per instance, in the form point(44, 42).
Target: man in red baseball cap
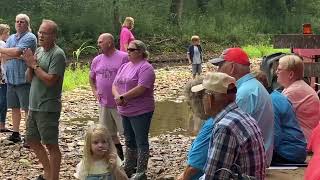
point(251, 95)
point(236, 55)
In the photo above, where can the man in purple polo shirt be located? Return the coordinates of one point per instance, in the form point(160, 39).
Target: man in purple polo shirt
point(103, 70)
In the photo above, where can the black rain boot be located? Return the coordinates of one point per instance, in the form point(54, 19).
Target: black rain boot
point(130, 161)
point(119, 151)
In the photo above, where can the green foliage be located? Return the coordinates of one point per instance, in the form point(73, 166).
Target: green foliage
point(76, 53)
point(79, 77)
point(226, 23)
point(256, 51)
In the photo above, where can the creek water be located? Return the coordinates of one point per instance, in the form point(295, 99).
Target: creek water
point(173, 117)
point(169, 118)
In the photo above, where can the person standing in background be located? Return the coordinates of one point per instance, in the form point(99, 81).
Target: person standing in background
point(45, 72)
point(17, 86)
point(4, 34)
point(195, 56)
point(103, 70)
point(126, 35)
point(133, 89)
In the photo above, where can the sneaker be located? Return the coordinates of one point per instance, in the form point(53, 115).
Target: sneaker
point(14, 139)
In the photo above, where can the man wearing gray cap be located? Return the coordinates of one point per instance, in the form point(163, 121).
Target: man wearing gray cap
point(252, 97)
point(236, 137)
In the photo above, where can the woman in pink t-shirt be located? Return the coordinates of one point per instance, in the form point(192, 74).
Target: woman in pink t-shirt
point(133, 92)
point(126, 35)
point(304, 99)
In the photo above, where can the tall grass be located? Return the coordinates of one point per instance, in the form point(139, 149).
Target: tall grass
point(76, 78)
point(257, 51)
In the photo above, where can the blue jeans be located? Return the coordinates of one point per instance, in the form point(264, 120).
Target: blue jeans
point(99, 177)
point(3, 103)
point(136, 130)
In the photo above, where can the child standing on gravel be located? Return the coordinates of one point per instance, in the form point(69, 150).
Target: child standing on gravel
point(194, 56)
point(100, 159)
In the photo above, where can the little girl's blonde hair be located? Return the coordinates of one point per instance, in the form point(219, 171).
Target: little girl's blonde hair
point(4, 28)
point(99, 130)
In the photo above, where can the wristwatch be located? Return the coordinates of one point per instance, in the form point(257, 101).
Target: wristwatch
point(121, 98)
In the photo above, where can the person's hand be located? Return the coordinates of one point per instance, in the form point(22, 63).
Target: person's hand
point(113, 160)
point(29, 58)
point(120, 102)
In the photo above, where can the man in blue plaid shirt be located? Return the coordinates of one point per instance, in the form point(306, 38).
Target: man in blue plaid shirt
point(236, 137)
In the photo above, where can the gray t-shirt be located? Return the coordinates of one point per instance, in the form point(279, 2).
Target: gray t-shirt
point(196, 56)
point(44, 98)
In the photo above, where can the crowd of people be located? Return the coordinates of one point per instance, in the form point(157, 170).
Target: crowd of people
point(249, 126)
point(284, 133)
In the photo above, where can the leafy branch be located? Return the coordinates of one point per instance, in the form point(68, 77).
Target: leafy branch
point(76, 53)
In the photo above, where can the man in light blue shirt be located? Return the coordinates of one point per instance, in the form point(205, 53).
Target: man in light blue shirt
point(18, 88)
point(252, 97)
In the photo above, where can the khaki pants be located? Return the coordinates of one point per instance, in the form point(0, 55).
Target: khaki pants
point(110, 118)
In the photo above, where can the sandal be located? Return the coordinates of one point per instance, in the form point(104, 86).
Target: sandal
point(5, 130)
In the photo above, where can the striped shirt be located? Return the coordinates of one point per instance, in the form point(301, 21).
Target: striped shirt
point(236, 139)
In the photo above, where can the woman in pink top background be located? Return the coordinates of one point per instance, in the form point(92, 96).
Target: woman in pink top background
point(312, 172)
point(126, 35)
point(304, 99)
point(133, 91)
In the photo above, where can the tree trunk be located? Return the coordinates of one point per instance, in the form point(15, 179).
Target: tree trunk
point(176, 11)
point(203, 5)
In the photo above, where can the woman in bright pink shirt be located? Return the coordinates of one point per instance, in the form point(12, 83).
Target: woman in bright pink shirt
point(312, 172)
point(304, 99)
point(126, 35)
point(133, 91)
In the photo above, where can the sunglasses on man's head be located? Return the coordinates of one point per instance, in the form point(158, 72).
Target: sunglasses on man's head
point(132, 49)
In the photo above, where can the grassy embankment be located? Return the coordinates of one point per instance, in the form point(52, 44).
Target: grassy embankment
point(80, 77)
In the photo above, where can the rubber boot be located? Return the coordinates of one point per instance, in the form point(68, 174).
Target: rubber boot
point(130, 161)
point(143, 157)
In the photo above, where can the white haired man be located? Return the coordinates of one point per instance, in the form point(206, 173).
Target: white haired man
point(18, 87)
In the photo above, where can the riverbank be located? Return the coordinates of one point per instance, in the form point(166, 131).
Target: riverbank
point(168, 150)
